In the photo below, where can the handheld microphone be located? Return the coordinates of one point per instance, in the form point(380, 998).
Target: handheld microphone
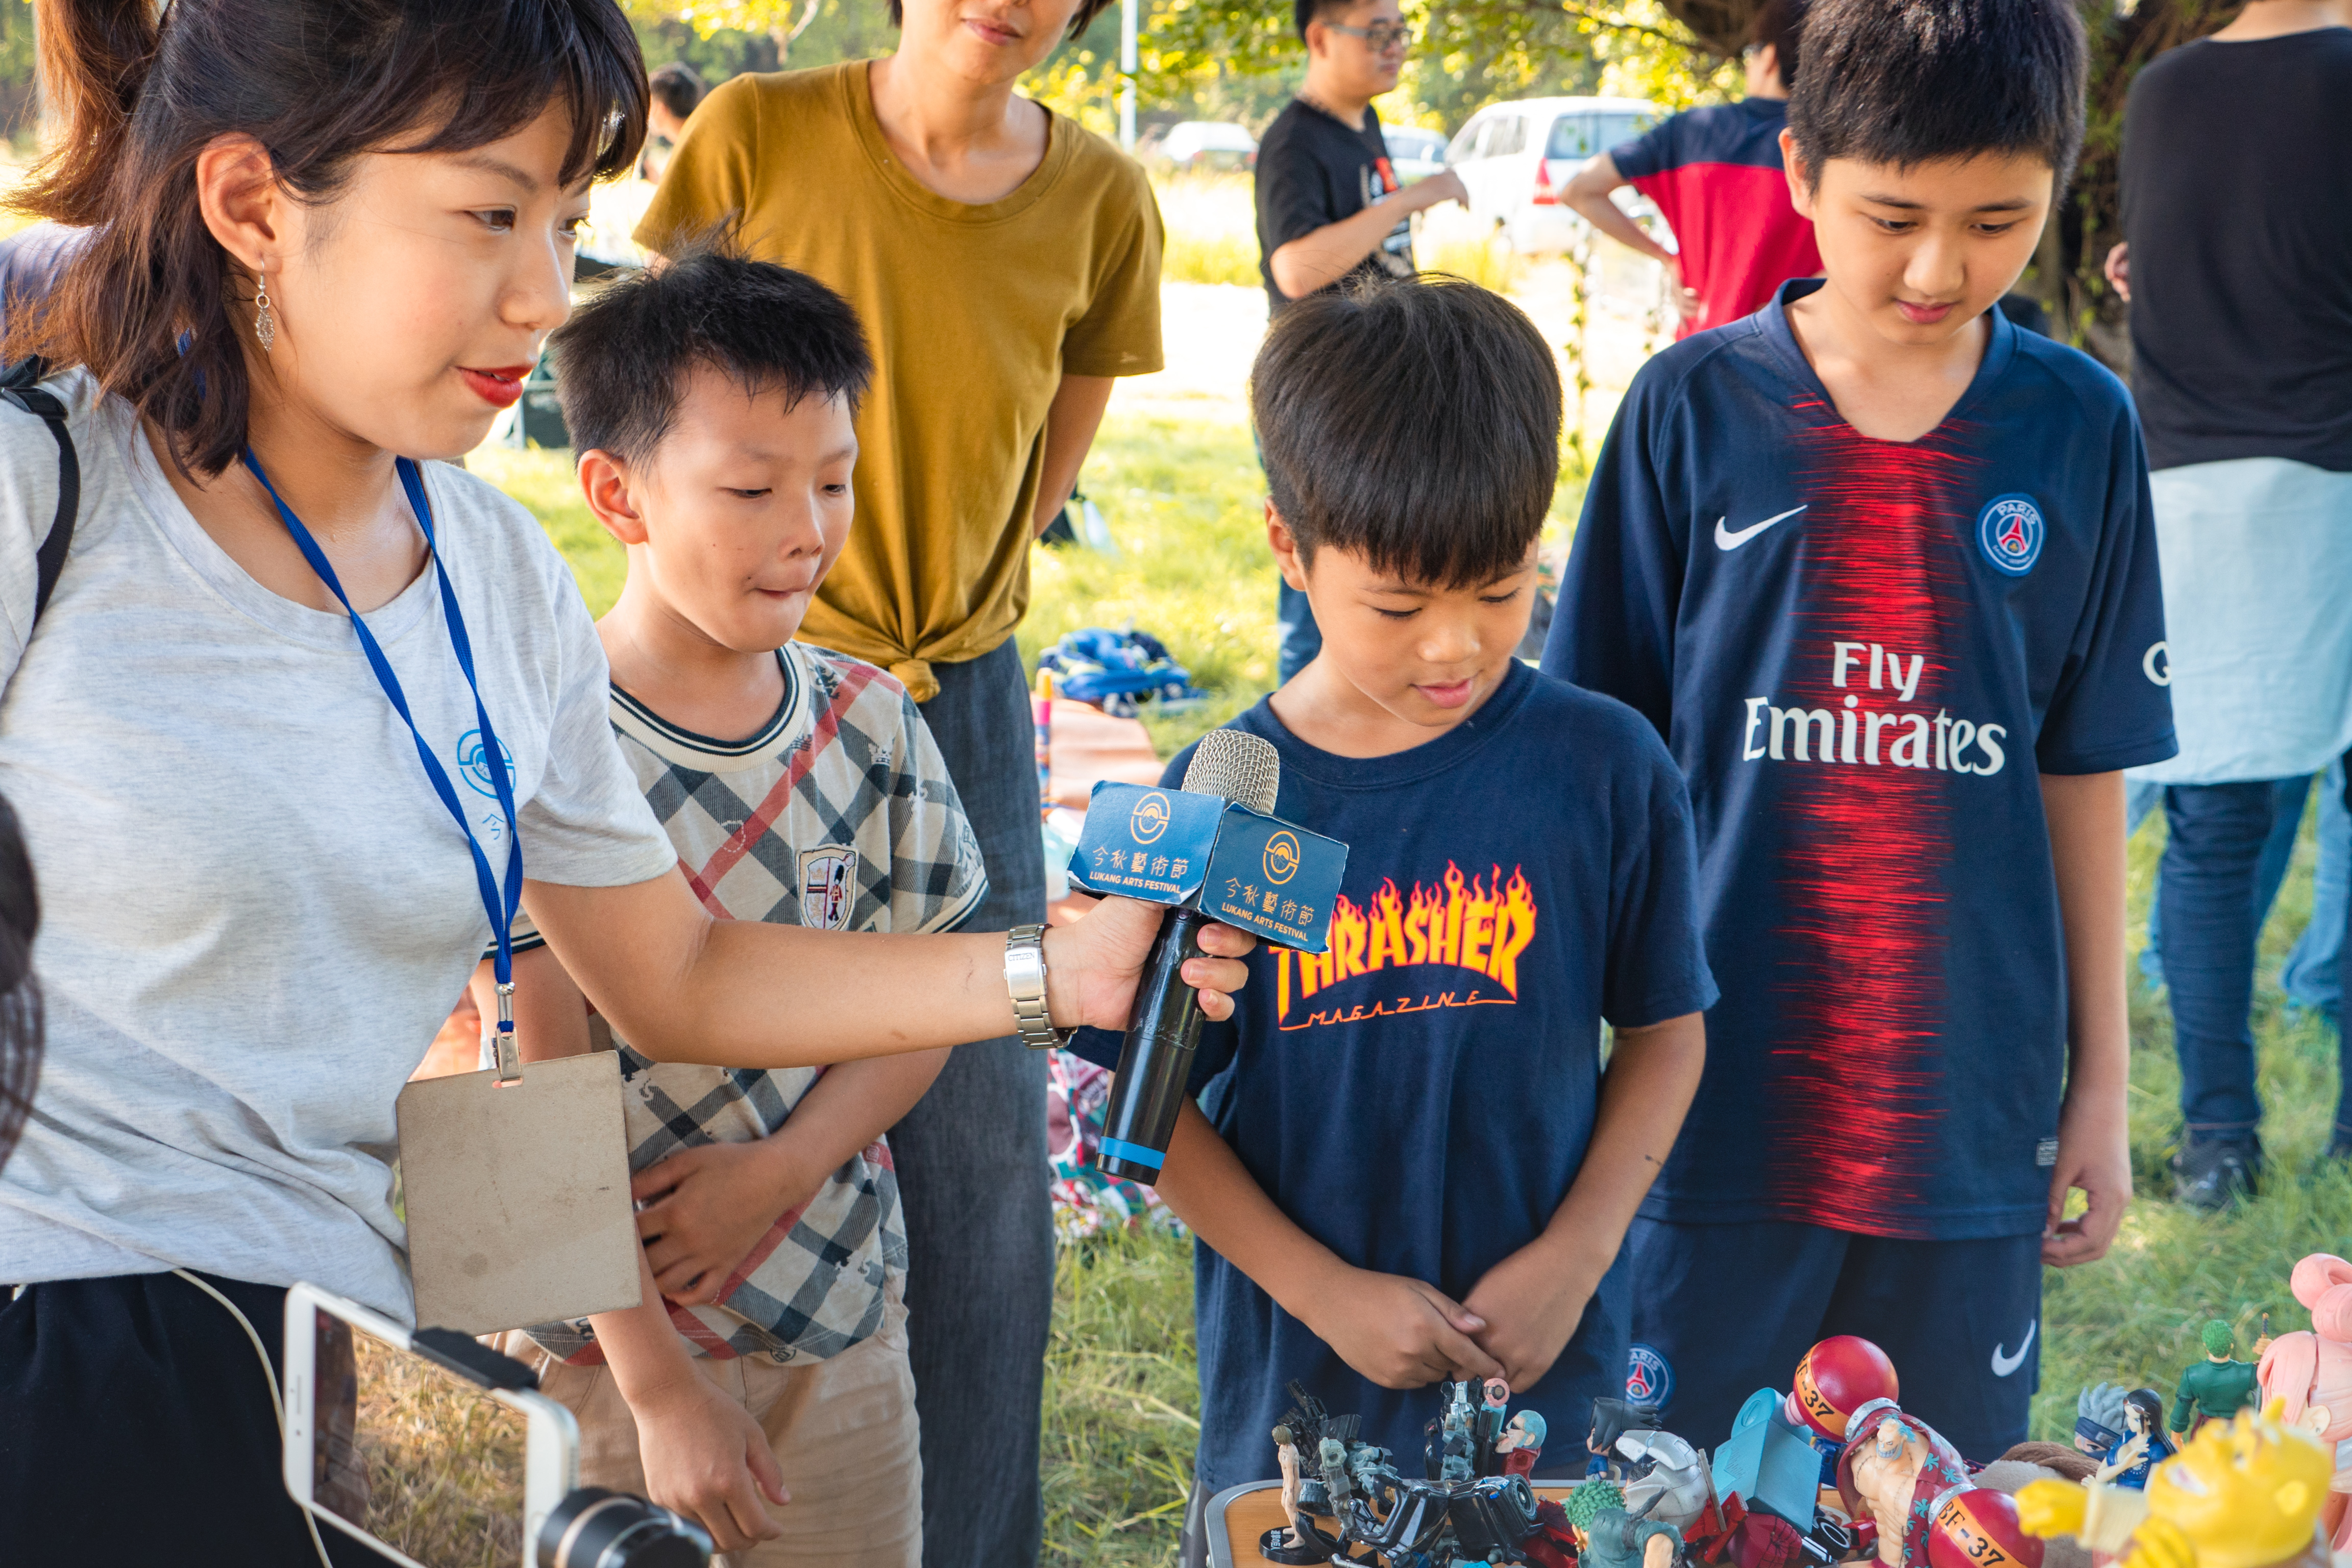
point(1165, 1026)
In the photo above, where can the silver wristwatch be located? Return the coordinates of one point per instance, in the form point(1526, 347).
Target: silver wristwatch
point(1024, 977)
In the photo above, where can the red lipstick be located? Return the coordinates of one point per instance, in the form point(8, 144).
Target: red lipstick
point(500, 386)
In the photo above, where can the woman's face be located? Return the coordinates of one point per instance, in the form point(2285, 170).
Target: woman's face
point(410, 308)
point(989, 42)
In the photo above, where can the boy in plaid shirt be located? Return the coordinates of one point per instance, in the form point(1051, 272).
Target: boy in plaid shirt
point(711, 404)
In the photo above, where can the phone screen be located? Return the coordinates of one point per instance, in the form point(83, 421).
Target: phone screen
point(415, 1454)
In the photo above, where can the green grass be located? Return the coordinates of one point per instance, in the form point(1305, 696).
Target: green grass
point(2134, 1316)
point(1121, 1409)
point(1183, 503)
point(542, 481)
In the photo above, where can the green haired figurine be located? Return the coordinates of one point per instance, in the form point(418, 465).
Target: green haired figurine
point(2217, 1387)
point(1585, 1503)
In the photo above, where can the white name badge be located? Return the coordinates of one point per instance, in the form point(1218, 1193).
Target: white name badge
point(518, 1195)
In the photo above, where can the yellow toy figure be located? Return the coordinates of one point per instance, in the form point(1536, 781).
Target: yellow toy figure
point(2244, 1493)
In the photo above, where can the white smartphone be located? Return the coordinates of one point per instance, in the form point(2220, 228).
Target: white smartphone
point(431, 1447)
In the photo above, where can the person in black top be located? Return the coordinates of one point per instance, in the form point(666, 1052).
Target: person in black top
point(1322, 168)
point(2240, 294)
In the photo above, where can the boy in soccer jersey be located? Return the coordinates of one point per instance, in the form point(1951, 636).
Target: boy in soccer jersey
point(711, 405)
point(1410, 1166)
point(1880, 567)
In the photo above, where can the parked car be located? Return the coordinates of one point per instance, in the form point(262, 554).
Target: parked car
point(1513, 158)
point(1201, 144)
point(1413, 152)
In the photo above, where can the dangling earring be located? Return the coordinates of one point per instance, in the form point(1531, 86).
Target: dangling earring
point(265, 325)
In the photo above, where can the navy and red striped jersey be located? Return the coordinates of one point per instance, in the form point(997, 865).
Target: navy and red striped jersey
point(1862, 653)
point(1715, 175)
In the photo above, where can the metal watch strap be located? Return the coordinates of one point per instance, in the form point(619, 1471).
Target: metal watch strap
point(1024, 977)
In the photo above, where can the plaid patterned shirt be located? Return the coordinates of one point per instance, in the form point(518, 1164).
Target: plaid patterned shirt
point(839, 814)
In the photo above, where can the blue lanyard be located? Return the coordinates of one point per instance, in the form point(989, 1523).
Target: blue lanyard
point(501, 910)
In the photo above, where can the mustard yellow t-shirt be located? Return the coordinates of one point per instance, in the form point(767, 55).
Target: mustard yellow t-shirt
point(974, 312)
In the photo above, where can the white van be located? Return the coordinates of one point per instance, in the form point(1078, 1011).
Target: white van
point(1513, 158)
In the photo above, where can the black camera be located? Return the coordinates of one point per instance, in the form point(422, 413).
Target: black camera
point(592, 1528)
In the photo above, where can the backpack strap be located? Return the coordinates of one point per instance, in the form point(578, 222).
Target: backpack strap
point(20, 385)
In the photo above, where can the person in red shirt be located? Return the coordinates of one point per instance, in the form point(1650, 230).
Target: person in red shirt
point(1715, 175)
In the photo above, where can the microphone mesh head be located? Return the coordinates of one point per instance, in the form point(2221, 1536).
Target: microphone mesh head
point(1239, 766)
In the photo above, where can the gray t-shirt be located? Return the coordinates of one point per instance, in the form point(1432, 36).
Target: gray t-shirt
point(256, 912)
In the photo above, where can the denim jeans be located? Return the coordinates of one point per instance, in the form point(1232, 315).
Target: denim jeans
point(2313, 975)
point(2270, 873)
point(2211, 898)
point(973, 1175)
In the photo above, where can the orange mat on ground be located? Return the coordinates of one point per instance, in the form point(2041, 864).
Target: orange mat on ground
point(1090, 746)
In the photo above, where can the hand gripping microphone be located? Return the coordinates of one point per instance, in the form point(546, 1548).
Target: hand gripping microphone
point(1164, 1027)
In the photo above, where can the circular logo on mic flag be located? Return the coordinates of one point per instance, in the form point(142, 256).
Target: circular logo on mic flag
point(2010, 531)
point(1281, 859)
point(1151, 817)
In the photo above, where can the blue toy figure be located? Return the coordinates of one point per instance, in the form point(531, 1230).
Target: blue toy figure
point(2108, 1421)
point(1769, 1463)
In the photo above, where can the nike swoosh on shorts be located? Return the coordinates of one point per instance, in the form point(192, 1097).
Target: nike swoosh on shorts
point(1732, 539)
point(2002, 1365)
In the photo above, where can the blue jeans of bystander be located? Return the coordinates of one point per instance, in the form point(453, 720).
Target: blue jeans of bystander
point(973, 1175)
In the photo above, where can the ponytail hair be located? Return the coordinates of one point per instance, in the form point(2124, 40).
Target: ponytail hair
point(152, 305)
point(20, 996)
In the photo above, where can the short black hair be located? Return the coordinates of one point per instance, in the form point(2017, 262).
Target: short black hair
point(1083, 18)
point(1305, 11)
point(1414, 423)
point(1909, 81)
point(1780, 24)
point(677, 87)
point(622, 361)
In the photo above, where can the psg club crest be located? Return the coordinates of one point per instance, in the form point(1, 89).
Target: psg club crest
point(828, 886)
point(2010, 531)
point(1648, 1379)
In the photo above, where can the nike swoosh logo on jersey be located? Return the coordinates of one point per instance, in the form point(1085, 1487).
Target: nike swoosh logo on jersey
point(1732, 539)
point(2002, 1365)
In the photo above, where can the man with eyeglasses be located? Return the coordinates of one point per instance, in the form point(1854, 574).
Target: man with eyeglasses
point(1329, 205)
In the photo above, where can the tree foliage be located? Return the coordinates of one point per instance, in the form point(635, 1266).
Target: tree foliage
point(1240, 59)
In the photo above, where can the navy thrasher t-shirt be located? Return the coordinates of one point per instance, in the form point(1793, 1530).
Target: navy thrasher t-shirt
point(1419, 1100)
point(1862, 653)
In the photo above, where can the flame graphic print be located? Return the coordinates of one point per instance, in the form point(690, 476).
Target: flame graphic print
point(1481, 924)
point(1855, 1090)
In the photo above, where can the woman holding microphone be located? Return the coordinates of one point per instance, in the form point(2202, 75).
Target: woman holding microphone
point(305, 713)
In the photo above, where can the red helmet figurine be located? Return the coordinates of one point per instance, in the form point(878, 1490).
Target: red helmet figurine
point(1976, 1527)
point(1837, 1377)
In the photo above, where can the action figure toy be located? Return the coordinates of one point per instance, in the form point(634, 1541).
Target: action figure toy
point(1521, 1444)
point(1893, 1464)
point(2217, 1387)
point(1487, 1430)
point(1616, 1539)
point(1837, 1377)
point(2310, 1375)
point(1611, 1419)
point(1291, 1543)
point(1379, 1519)
point(1669, 1482)
point(2122, 1432)
point(2242, 1493)
point(1976, 1527)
